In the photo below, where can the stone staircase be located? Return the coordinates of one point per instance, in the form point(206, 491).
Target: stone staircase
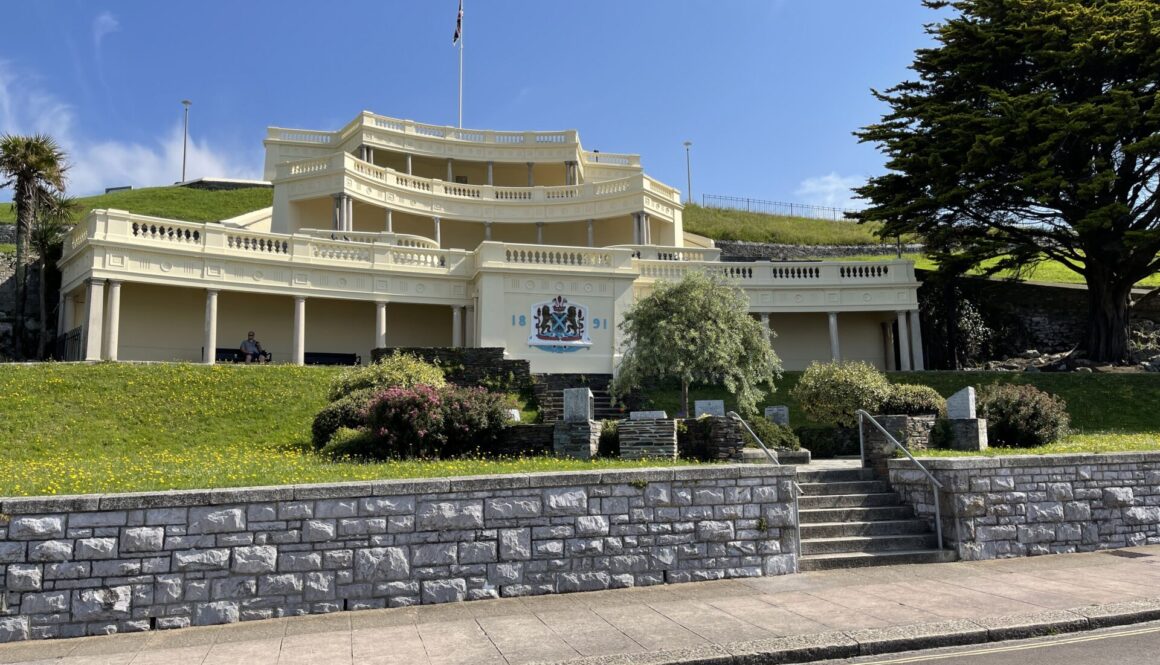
point(849, 519)
point(549, 390)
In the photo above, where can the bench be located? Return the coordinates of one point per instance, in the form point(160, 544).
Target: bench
point(228, 355)
point(327, 358)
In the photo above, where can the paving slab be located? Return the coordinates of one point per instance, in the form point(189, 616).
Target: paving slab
point(794, 618)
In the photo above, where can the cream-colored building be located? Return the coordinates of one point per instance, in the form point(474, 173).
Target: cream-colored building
point(393, 233)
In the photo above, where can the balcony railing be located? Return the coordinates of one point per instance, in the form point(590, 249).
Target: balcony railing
point(763, 273)
point(382, 123)
point(390, 179)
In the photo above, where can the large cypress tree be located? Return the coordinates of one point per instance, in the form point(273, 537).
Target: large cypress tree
point(1032, 132)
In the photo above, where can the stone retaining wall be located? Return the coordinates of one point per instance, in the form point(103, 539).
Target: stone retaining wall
point(640, 439)
point(93, 564)
point(1000, 507)
point(737, 250)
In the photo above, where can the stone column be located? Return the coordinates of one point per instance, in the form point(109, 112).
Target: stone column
point(450, 171)
point(370, 154)
point(539, 233)
point(409, 171)
point(390, 221)
point(209, 354)
point(348, 213)
point(339, 210)
point(765, 324)
point(299, 339)
point(94, 317)
point(835, 348)
point(531, 177)
point(469, 334)
point(490, 173)
point(438, 232)
point(362, 152)
point(916, 341)
point(888, 343)
point(380, 324)
point(113, 316)
point(636, 228)
point(456, 326)
point(903, 343)
point(591, 235)
point(646, 228)
point(487, 230)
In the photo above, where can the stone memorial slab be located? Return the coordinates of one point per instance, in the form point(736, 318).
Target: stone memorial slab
point(578, 405)
point(648, 415)
point(961, 405)
point(513, 415)
point(777, 414)
point(709, 407)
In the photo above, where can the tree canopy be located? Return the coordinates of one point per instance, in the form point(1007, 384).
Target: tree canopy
point(1032, 132)
point(697, 330)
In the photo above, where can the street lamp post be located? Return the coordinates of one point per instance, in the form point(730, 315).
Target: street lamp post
point(689, 172)
point(185, 137)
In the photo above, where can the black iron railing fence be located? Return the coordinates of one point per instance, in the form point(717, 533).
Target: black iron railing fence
point(774, 207)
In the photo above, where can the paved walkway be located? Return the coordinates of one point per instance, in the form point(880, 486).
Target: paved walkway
point(863, 609)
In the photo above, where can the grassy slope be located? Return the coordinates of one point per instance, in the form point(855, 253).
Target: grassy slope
point(721, 224)
point(1108, 411)
point(194, 205)
point(70, 429)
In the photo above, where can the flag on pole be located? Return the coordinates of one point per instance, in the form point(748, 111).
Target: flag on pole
point(458, 25)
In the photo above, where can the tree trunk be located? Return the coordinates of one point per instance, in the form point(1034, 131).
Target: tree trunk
point(685, 398)
point(42, 344)
point(25, 208)
point(1108, 307)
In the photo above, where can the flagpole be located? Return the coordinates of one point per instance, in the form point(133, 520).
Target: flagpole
point(461, 73)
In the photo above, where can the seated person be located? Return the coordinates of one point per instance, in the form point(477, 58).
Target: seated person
point(252, 350)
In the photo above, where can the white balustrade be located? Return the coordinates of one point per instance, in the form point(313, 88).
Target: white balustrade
point(556, 256)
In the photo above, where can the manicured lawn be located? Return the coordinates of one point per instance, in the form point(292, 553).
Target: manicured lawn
point(194, 205)
point(1113, 411)
point(724, 224)
point(73, 428)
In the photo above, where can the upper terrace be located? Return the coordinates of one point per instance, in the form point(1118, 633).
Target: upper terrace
point(440, 142)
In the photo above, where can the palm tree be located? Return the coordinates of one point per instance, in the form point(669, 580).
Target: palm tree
point(53, 219)
point(33, 166)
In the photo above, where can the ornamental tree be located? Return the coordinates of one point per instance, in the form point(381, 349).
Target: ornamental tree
point(697, 330)
point(1032, 132)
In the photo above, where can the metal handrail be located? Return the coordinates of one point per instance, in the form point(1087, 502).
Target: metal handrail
point(797, 522)
point(935, 484)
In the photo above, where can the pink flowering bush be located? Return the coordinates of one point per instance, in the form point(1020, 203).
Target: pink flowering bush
point(407, 422)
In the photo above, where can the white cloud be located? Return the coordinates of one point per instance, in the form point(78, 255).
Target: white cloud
point(103, 25)
point(831, 190)
point(25, 108)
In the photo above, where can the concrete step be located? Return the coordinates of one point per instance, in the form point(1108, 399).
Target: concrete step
point(868, 514)
point(844, 487)
point(851, 529)
point(864, 559)
point(888, 543)
point(849, 500)
point(806, 475)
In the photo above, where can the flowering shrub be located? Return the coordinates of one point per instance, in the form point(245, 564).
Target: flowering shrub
point(347, 442)
point(406, 422)
point(832, 392)
point(1022, 415)
point(473, 419)
point(399, 370)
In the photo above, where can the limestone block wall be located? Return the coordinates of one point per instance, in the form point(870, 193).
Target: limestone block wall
point(648, 438)
point(1000, 507)
point(99, 564)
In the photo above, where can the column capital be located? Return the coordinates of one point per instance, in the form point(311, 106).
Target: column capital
point(96, 281)
point(114, 282)
point(212, 292)
point(299, 298)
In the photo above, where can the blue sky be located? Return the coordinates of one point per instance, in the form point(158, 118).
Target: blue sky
point(768, 91)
